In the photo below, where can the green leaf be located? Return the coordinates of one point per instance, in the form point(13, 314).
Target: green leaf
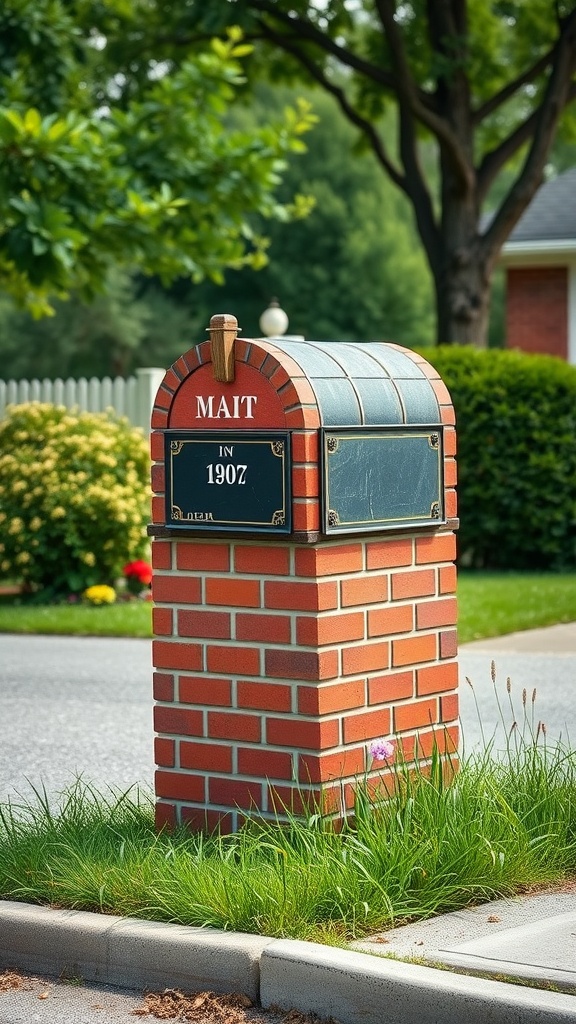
point(32, 122)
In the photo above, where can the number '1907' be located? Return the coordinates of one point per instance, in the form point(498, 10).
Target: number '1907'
point(220, 473)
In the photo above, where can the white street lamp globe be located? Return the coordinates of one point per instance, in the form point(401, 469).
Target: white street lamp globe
point(274, 321)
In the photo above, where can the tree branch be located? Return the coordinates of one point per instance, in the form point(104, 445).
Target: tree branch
point(560, 90)
point(411, 183)
point(494, 161)
point(365, 126)
point(509, 90)
point(408, 97)
point(302, 28)
point(416, 185)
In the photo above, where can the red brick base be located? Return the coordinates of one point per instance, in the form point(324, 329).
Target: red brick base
point(277, 664)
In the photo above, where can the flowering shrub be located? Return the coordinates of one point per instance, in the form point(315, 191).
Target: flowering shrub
point(74, 497)
point(138, 576)
point(100, 594)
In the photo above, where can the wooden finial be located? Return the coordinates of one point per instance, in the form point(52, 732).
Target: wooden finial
point(223, 330)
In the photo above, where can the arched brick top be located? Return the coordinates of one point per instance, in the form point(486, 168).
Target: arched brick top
point(303, 385)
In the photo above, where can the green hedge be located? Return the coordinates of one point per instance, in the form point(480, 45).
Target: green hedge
point(516, 422)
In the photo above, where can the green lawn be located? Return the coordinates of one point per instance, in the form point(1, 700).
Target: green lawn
point(132, 618)
point(490, 604)
point(493, 603)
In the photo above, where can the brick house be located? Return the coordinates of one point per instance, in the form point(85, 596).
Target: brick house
point(540, 263)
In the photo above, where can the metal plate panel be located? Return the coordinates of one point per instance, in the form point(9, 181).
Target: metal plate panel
point(419, 400)
point(357, 360)
point(337, 402)
point(380, 479)
point(316, 361)
point(380, 402)
point(228, 481)
point(397, 364)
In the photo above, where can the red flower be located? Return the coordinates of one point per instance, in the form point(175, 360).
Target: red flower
point(140, 571)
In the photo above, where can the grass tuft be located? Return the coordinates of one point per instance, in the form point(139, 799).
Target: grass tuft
point(496, 827)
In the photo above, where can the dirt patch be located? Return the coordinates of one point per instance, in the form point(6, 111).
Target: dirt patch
point(11, 980)
point(542, 889)
point(171, 1004)
point(210, 1008)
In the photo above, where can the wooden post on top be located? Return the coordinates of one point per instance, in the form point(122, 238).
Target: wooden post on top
point(223, 331)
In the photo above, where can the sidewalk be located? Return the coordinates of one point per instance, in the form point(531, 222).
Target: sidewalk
point(558, 639)
point(528, 939)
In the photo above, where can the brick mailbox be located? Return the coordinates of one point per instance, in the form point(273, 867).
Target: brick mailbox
point(304, 580)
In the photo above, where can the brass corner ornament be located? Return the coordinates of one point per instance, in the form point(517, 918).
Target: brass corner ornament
point(223, 332)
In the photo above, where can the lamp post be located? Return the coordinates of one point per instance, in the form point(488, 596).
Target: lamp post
point(274, 321)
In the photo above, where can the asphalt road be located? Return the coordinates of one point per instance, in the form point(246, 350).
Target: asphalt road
point(74, 706)
point(551, 675)
point(82, 706)
point(54, 1002)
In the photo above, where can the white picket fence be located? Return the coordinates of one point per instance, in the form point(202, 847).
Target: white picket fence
point(132, 397)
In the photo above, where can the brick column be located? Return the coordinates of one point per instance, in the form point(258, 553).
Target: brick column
point(277, 661)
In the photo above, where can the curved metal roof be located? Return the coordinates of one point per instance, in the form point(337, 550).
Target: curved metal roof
point(364, 384)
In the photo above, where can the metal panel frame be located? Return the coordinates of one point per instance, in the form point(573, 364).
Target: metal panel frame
point(333, 526)
point(281, 520)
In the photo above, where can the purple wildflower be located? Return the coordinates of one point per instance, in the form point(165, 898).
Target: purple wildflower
point(381, 750)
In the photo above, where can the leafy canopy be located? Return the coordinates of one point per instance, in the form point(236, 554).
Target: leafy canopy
point(97, 170)
point(487, 84)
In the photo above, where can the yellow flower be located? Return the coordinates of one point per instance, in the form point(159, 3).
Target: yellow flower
point(100, 594)
point(58, 512)
point(35, 523)
point(16, 525)
point(89, 558)
point(23, 558)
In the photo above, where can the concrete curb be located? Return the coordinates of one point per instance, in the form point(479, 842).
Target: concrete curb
point(127, 952)
point(359, 989)
point(352, 987)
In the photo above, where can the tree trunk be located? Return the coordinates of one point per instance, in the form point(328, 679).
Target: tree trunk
point(463, 301)
point(462, 266)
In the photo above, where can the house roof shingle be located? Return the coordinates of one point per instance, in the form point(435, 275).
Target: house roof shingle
point(552, 213)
